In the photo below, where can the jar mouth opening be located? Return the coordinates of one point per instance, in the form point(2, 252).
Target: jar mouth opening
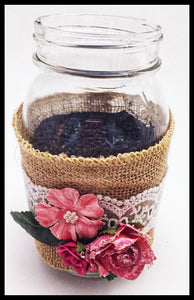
point(96, 31)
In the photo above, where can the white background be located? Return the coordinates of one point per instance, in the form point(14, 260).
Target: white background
point(25, 272)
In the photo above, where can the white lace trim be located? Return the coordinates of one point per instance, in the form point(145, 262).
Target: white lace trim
point(35, 193)
point(141, 208)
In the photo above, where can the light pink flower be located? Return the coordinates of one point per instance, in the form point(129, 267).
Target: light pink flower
point(125, 253)
point(67, 214)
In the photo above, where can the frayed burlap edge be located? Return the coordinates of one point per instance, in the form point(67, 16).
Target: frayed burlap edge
point(50, 255)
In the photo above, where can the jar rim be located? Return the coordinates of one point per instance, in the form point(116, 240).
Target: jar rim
point(96, 31)
point(96, 45)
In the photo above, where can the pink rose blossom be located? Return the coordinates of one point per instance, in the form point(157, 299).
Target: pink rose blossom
point(67, 214)
point(72, 258)
point(125, 253)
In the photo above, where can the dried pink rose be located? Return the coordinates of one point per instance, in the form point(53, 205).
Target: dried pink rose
point(72, 258)
point(67, 214)
point(124, 254)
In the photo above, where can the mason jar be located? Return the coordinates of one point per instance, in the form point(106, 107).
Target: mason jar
point(95, 119)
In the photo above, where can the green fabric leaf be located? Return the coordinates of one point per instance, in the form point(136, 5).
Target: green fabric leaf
point(26, 219)
point(80, 246)
point(108, 231)
point(111, 276)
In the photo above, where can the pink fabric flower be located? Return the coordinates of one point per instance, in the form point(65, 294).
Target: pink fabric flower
point(72, 258)
point(125, 253)
point(67, 214)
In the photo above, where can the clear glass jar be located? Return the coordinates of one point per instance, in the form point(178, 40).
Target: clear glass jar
point(95, 104)
point(96, 92)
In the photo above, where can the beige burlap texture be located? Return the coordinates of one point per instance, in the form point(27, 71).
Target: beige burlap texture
point(119, 177)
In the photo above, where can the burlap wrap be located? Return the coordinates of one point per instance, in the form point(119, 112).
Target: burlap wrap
point(118, 176)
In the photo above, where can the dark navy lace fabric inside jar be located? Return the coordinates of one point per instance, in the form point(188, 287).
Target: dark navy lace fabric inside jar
point(91, 134)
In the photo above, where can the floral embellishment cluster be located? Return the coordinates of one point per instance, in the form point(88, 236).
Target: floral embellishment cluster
point(72, 223)
point(124, 254)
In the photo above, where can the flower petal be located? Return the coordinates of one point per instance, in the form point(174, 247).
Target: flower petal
point(87, 228)
point(71, 195)
point(64, 231)
point(72, 258)
point(147, 254)
point(103, 270)
point(89, 207)
point(123, 242)
point(65, 198)
point(100, 242)
point(46, 214)
point(135, 272)
point(130, 271)
point(55, 197)
point(131, 231)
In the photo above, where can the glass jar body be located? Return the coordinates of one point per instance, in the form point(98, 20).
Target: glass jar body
point(94, 133)
point(133, 115)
